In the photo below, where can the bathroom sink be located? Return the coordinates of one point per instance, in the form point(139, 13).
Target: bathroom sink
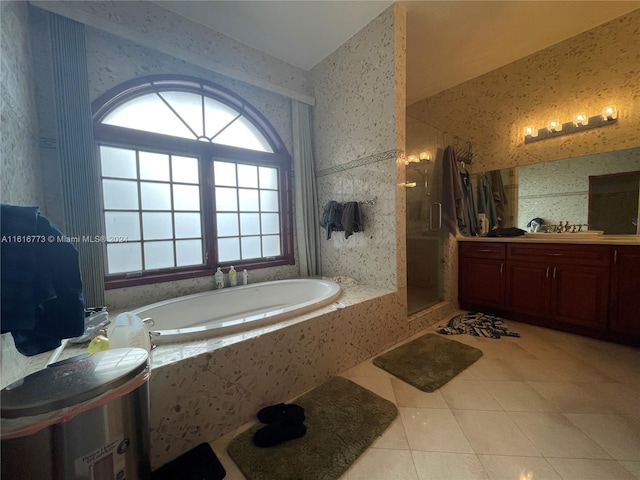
point(586, 233)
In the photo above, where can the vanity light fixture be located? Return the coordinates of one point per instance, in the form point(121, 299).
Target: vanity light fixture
point(609, 116)
point(425, 156)
point(410, 184)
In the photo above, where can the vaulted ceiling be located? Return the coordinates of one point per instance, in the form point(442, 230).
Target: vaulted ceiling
point(448, 42)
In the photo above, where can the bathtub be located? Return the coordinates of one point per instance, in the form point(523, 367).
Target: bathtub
point(235, 309)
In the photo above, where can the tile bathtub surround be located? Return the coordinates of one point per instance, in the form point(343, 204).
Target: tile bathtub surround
point(202, 390)
point(493, 422)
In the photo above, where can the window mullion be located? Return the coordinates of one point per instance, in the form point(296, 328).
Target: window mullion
point(208, 197)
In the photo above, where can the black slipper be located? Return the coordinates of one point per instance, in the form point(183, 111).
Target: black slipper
point(281, 413)
point(278, 433)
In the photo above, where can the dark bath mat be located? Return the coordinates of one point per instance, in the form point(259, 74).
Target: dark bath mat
point(342, 420)
point(199, 463)
point(429, 361)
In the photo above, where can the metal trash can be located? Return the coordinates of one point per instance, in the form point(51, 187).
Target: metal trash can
point(85, 418)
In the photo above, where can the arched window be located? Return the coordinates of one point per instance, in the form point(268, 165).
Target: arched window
point(192, 178)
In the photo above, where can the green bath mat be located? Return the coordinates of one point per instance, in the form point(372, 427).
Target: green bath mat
point(428, 362)
point(342, 420)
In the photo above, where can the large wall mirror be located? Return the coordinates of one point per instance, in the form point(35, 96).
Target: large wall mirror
point(601, 190)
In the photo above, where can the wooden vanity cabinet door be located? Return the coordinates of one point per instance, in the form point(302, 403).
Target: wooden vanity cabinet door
point(625, 291)
point(481, 275)
point(527, 289)
point(580, 295)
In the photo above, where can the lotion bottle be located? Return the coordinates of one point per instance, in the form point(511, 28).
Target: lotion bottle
point(233, 277)
point(245, 277)
point(219, 276)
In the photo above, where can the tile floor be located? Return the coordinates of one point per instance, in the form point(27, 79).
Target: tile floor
point(546, 406)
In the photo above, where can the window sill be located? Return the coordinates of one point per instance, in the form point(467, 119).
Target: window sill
point(149, 278)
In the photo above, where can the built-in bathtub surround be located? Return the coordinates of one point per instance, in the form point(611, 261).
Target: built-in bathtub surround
point(203, 389)
point(582, 74)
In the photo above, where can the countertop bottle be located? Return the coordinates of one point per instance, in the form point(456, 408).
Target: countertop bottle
point(233, 277)
point(245, 277)
point(219, 276)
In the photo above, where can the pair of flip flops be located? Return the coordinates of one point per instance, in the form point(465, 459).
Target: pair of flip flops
point(284, 422)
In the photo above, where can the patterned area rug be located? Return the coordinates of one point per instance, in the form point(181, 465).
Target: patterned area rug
point(477, 324)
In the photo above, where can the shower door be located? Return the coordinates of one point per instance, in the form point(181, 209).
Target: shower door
point(425, 238)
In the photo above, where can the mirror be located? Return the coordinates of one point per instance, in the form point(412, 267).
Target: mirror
point(582, 190)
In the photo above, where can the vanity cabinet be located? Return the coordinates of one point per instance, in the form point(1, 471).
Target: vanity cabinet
point(589, 289)
point(625, 291)
point(559, 283)
point(481, 274)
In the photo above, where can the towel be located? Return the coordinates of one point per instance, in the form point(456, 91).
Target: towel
point(351, 220)
point(41, 300)
point(452, 194)
point(331, 218)
point(499, 197)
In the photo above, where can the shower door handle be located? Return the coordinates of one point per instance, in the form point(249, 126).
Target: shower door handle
point(439, 210)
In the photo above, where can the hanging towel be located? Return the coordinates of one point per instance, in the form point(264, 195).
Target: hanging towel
point(351, 220)
point(486, 203)
point(499, 197)
point(42, 300)
point(452, 194)
point(469, 225)
point(331, 218)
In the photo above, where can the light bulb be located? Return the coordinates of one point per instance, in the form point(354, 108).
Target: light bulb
point(581, 120)
point(530, 132)
point(555, 126)
point(609, 113)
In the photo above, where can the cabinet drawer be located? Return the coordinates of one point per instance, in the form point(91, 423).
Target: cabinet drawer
point(595, 255)
point(486, 250)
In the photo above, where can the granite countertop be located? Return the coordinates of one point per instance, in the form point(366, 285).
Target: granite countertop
point(560, 238)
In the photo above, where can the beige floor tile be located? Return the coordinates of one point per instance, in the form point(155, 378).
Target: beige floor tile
point(622, 398)
point(493, 369)
point(366, 369)
point(382, 464)
point(468, 395)
point(537, 370)
point(555, 436)
point(500, 467)
point(517, 397)
point(433, 430)
point(570, 397)
point(393, 437)
point(409, 396)
point(494, 433)
point(633, 467)
point(618, 437)
point(448, 466)
point(590, 469)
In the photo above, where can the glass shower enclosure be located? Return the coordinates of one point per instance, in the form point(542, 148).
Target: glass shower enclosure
point(425, 237)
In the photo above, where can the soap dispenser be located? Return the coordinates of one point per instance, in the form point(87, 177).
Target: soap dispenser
point(233, 277)
point(219, 276)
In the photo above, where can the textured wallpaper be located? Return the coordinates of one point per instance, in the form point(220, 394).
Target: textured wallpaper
point(582, 74)
point(20, 178)
point(358, 140)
